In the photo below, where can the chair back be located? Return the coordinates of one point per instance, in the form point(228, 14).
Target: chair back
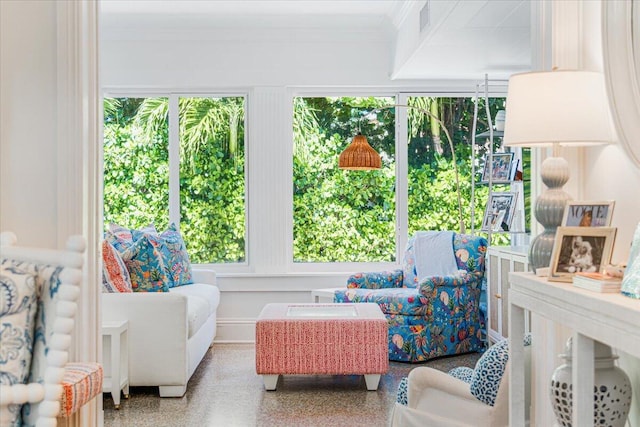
point(469, 253)
point(40, 287)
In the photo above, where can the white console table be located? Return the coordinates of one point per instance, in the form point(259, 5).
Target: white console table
point(612, 319)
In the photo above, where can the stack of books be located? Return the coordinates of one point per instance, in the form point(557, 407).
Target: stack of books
point(597, 282)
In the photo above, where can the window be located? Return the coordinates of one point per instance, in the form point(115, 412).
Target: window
point(195, 178)
point(345, 216)
point(342, 216)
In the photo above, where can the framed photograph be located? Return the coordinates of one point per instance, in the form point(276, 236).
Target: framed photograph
point(502, 170)
point(498, 214)
point(580, 249)
point(588, 214)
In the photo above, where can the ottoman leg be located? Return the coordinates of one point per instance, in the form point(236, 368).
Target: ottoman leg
point(372, 381)
point(270, 381)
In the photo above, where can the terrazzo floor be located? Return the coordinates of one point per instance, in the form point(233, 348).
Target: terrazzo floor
point(225, 391)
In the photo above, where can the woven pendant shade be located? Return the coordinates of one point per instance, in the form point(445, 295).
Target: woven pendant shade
point(359, 155)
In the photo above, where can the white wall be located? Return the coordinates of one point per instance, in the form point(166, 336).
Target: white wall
point(28, 202)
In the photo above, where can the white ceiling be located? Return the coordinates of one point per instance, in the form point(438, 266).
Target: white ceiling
point(461, 38)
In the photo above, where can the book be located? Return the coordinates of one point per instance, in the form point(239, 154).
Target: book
point(597, 282)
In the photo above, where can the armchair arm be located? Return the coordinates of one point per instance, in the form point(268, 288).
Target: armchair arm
point(429, 284)
point(376, 280)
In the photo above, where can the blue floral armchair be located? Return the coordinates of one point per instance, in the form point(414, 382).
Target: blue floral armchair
point(438, 316)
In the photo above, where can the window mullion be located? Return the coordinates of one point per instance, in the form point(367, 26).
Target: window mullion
point(174, 160)
point(402, 170)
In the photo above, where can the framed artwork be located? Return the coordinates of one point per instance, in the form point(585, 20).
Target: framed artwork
point(502, 171)
point(588, 214)
point(498, 214)
point(580, 249)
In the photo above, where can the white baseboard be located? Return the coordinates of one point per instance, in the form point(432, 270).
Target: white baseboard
point(236, 330)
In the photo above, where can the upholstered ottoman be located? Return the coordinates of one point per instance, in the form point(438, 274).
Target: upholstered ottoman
point(331, 339)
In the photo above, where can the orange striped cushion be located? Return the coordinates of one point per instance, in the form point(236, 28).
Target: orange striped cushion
point(82, 381)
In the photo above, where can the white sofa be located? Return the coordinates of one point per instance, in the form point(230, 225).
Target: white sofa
point(169, 333)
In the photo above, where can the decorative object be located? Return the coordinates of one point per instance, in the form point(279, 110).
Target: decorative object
point(631, 278)
point(502, 170)
point(359, 155)
point(499, 211)
point(588, 214)
point(580, 249)
point(612, 389)
point(549, 109)
point(351, 160)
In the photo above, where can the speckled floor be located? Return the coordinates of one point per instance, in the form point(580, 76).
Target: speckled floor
point(226, 391)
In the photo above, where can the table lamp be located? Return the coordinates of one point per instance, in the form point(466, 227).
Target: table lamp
point(552, 108)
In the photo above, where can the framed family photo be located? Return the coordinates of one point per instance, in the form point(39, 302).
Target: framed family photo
point(501, 171)
point(588, 213)
point(580, 249)
point(498, 214)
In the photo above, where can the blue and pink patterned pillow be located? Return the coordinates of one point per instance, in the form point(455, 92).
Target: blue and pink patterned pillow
point(169, 244)
point(145, 266)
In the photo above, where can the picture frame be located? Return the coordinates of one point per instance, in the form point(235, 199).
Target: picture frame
point(498, 214)
point(588, 213)
point(580, 249)
point(502, 171)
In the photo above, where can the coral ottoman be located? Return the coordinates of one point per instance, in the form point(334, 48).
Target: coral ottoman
point(331, 339)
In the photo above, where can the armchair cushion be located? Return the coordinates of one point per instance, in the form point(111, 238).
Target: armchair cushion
point(391, 301)
point(462, 373)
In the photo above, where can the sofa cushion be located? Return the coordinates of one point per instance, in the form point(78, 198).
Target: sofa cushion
point(18, 304)
point(210, 294)
point(115, 276)
point(121, 237)
point(146, 269)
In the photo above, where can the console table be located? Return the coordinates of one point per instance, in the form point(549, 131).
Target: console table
point(612, 319)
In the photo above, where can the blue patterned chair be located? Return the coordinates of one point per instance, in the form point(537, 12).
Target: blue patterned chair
point(438, 316)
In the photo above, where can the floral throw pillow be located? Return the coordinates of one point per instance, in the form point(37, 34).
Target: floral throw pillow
point(18, 306)
point(176, 258)
point(174, 254)
point(115, 276)
point(121, 238)
point(145, 265)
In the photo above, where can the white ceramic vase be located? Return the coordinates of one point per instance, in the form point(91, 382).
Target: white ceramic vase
point(612, 389)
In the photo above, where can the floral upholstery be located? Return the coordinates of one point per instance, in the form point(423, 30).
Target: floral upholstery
point(439, 316)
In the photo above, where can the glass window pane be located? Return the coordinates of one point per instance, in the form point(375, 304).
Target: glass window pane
point(339, 215)
point(432, 196)
point(212, 178)
point(136, 162)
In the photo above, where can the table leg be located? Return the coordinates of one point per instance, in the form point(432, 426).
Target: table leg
point(372, 381)
point(516, 367)
point(115, 370)
point(270, 381)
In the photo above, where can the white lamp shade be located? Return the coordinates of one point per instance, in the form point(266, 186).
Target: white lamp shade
point(564, 107)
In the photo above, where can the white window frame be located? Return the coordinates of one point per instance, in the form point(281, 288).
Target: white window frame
point(173, 210)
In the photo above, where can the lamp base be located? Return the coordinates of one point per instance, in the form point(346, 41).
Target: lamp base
point(549, 210)
point(541, 249)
